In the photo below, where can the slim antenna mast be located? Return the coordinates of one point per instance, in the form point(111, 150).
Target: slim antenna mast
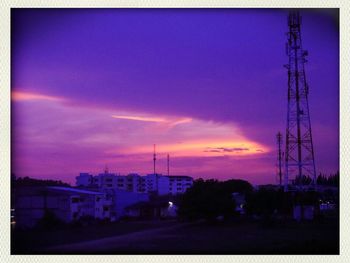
point(154, 158)
point(168, 164)
point(279, 144)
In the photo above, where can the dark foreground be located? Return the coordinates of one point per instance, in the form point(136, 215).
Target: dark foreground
point(321, 237)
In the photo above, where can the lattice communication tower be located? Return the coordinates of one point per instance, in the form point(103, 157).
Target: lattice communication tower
point(299, 153)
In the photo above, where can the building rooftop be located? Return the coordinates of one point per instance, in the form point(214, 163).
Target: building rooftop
point(180, 176)
point(73, 190)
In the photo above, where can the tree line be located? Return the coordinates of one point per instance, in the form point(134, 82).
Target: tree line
point(27, 181)
point(322, 179)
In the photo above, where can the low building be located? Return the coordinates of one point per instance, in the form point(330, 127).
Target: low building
point(66, 203)
point(154, 209)
point(122, 199)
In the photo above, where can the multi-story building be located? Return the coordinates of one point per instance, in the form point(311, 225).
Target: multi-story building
point(151, 183)
point(84, 179)
point(179, 184)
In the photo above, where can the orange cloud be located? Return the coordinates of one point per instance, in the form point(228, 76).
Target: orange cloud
point(197, 138)
point(205, 148)
point(23, 96)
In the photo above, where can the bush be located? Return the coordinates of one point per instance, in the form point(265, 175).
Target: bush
point(266, 202)
point(49, 221)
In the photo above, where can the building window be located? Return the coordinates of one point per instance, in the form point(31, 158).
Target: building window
point(75, 200)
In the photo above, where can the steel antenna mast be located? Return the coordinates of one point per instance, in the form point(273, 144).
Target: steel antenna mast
point(154, 158)
point(299, 154)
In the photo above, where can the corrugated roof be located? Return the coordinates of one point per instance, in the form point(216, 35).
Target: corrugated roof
point(73, 190)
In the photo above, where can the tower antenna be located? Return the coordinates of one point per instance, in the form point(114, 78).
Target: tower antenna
point(299, 154)
point(154, 158)
point(168, 163)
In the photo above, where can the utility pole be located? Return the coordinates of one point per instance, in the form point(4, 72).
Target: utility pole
point(279, 156)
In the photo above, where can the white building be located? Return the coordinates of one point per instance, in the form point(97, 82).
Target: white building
point(84, 179)
point(157, 183)
point(178, 184)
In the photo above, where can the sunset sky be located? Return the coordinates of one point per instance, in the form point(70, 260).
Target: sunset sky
point(96, 87)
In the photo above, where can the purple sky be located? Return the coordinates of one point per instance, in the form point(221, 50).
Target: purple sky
point(92, 87)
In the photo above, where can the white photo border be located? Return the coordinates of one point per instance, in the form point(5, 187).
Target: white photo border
point(5, 129)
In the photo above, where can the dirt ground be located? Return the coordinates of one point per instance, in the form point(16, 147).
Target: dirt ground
point(184, 238)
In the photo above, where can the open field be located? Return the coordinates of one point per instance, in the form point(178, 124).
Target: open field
point(34, 241)
point(183, 238)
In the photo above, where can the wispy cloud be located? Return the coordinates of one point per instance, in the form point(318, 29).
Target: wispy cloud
point(225, 149)
point(169, 121)
point(23, 96)
point(139, 118)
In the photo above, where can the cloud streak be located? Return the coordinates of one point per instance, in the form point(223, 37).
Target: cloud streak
point(29, 96)
point(229, 150)
point(169, 121)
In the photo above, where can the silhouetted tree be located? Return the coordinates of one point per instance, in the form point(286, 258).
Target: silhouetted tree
point(302, 180)
point(211, 198)
point(266, 202)
point(49, 221)
point(239, 186)
point(331, 180)
point(27, 181)
point(306, 198)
